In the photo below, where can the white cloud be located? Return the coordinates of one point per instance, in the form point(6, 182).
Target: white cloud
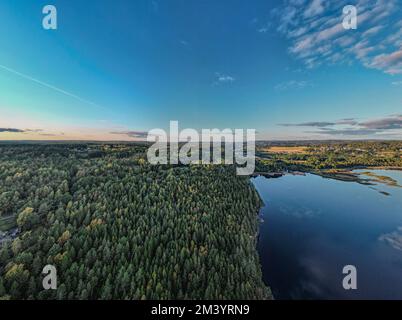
point(391, 63)
point(316, 7)
point(292, 84)
point(316, 35)
point(372, 31)
point(223, 78)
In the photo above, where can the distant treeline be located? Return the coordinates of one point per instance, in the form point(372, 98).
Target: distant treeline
point(329, 155)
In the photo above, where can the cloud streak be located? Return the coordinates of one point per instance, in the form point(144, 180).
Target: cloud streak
point(46, 85)
point(13, 130)
point(292, 84)
point(351, 127)
point(27, 131)
point(384, 124)
point(132, 134)
point(308, 124)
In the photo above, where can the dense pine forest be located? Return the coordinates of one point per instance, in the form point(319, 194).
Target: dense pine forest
point(116, 227)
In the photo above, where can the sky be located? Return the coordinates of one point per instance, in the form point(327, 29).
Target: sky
point(113, 70)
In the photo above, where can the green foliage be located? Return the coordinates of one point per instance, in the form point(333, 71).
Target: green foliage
point(27, 219)
point(330, 155)
point(118, 228)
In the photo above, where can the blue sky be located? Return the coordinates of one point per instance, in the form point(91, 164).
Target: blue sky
point(114, 69)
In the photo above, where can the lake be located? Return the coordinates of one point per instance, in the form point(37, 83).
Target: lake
point(312, 227)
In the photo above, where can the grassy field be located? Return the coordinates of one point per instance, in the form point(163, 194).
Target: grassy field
point(286, 150)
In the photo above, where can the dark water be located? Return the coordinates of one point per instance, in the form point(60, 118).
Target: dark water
point(313, 227)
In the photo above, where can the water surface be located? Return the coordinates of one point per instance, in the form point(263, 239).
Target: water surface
point(312, 227)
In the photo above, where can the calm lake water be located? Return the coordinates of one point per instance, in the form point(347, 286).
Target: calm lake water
point(314, 226)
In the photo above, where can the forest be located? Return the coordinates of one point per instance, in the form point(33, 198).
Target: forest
point(116, 227)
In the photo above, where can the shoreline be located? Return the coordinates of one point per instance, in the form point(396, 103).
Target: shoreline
point(260, 221)
point(346, 174)
point(257, 237)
